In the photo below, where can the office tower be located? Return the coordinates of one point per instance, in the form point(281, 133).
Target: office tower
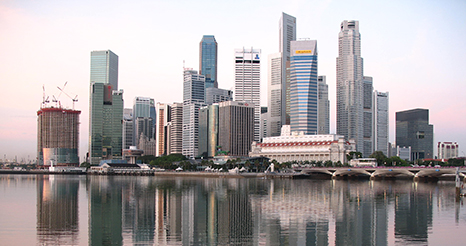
point(264, 127)
point(57, 137)
point(380, 122)
point(162, 119)
point(274, 90)
point(127, 128)
point(153, 115)
point(143, 128)
point(208, 130)
point(287, 33)
point(247, 82)
point(208, 60)
point(141, 109)
point(323, 123)
point(175, 129)
point(349, 84)
point(236, 128)
point(368, 123)
point(106, 108)
point(216, 95)
point(447, 150)
point(413, 129)
point(106, 123)
point(104, 68)
point(193, 100)
point(303, 86)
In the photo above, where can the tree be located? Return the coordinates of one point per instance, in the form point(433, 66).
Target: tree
point(396, 161)
point(381, 158)
point(353, 155)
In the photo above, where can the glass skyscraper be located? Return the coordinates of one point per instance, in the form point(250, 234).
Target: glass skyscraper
point(303, 86)
point(350, 84)
point(208, 60)
point(104, 67)
point(106, 108)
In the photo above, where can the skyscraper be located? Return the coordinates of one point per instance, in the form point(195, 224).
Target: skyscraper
point(287, 33)
point(216, 95)
point(413, 129)
point(57, 136)
point(208, 60)
point(323, 115)
point(193, 100)
point(106, 108)
point(104, 67)
point(247, 82)
point(349, 83)
point(275, 90)
point(175, 129)
point(208, 130)
point(303, 86)
point(380, 121)
point(142, 109)
point(162, 119)
point(368, 123)
point(236, 130)
point(127, 128)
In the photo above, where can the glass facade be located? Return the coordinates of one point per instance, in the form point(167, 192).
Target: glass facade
point(303, 87)
point(208, 60)
point(106, 108)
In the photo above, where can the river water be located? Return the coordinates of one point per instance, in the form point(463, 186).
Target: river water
point(134, 210)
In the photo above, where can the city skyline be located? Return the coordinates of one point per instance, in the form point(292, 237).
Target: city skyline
point(399, 42)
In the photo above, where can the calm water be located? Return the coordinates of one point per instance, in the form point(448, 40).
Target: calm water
point(124, 210)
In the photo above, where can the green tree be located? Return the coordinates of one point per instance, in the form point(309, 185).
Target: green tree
point(353, 155)
point(381, 158)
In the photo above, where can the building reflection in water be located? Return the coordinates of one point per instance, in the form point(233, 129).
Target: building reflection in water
point(57, 210)
point(159, 211)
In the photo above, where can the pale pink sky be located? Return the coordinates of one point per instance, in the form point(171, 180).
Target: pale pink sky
point(413, 50)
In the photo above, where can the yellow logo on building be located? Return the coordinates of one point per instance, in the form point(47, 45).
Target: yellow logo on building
point(303, 51)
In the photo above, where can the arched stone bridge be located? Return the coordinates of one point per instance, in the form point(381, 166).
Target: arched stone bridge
point(384, 172)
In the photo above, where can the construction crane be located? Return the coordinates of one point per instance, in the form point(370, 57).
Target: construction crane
point(44, 99)
point(75, 99)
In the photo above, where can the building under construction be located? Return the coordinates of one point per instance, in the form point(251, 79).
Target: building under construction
point(57, 137)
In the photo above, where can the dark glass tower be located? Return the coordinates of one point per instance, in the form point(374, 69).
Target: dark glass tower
point(208, 60)
point(413, 129)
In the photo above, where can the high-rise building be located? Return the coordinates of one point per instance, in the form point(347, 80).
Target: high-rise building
point(105, 108)
point(236, 128)
point(350, 83)
point(143, 128)
point(323, 123)
point(380, 122)
point(303, 86)
point(127, 128)
point(447, 150)
point(216, 95)
point(141, 109)
point(275, 90)
point(104, 67)
point(105, 123)
point(287, 33)
point(162, 119)
point(208, 130)
point(193, 100)
point(368, 123)
point(57, 137)
point(175, 129)
point(247, 82)
point(208, 60)
point(413, 129)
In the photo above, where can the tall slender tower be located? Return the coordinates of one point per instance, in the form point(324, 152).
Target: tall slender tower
point(275, 108)
point(193, 100)
point(247, 82)
point(303, 86)
point(106, 108)
point(287, 33)
point(368, 124)
point(208, 60)
point(350, 84)
point(323, 122)
point(380, 121)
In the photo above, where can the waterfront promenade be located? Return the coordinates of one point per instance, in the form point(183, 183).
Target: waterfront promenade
point(298, 172)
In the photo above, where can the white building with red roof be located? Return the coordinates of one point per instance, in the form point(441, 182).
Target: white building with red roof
point(295, 146)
